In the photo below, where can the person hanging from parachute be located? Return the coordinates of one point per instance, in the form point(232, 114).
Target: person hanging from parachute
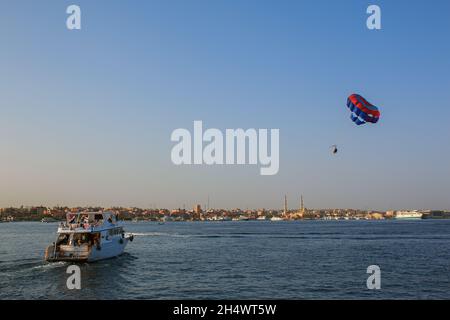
point(334, 149)
point(362, 110)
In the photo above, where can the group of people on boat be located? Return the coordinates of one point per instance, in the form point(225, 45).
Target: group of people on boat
point(91, 239)
point(84, 221)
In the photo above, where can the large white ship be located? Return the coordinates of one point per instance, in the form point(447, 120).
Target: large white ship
point(408, 215)
point(88, 236)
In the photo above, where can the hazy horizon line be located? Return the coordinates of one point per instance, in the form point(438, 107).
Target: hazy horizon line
point(214, 208)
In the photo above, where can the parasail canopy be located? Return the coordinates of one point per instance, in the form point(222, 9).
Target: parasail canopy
point(362, 110)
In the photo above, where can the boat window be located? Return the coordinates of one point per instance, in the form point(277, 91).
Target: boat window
point(79, 239)
point(115, 231)
point(63, 239)
point(94, 239)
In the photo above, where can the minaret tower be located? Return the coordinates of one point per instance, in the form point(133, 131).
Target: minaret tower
point(285, 205)
point(302, 207)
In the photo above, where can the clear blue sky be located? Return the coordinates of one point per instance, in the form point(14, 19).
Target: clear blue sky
point(86, 116)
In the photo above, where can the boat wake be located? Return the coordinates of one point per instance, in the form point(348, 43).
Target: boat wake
point(159, 234)
point(51, 265)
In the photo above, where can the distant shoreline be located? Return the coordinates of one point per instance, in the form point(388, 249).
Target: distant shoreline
point(59, 214)
point(242, 221)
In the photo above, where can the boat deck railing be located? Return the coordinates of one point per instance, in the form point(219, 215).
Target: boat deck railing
point(85, 227)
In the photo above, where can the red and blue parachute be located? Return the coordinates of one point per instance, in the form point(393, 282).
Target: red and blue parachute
point(362, 110)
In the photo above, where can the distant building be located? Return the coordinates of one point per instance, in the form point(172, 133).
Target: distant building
point(390, 214)
point(197, 212)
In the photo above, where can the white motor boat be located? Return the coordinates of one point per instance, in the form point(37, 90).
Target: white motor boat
point(88, 236)
point(275, 218)
point(408, 215)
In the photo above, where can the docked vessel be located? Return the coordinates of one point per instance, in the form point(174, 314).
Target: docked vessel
point(88, 236)
point(408, 215)
point(275, 218)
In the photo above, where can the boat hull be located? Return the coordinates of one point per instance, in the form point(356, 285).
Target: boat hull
point(107, 250)
point(409, 218)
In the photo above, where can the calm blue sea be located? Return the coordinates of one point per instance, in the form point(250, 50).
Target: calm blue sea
point(240, 260)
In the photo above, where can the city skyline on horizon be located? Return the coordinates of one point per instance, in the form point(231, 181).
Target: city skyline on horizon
point(204, 206)
point(86, 115)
